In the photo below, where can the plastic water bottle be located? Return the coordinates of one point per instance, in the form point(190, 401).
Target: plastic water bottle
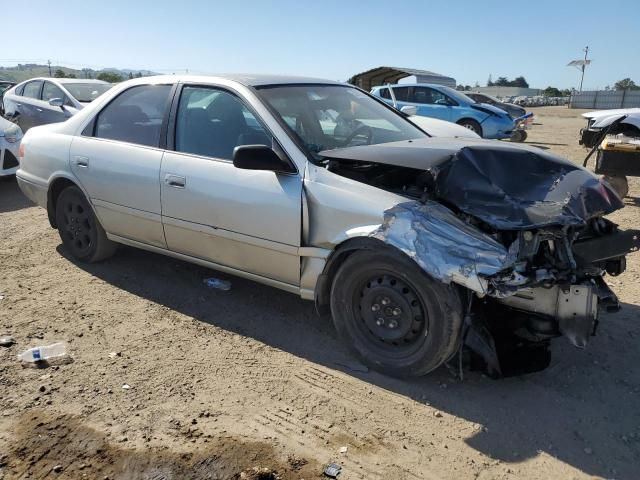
point(56, 352)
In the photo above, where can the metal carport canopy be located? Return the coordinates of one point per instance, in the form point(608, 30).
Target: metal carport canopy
point(384, 75)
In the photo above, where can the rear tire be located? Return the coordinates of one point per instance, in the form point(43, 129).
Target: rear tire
point(395, 317)
point(81, 233)
point(471, 125)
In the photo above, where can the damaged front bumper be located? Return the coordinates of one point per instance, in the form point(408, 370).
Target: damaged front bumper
point(552, 275)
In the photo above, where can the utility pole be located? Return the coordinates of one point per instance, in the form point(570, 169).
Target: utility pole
point(49, 63)
point(584, 65)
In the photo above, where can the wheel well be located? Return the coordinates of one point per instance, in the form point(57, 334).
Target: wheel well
point(462, 120)
point(54, 192)
point(337, 258)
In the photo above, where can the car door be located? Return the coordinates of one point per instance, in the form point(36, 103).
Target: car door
point(117, 161)
point(430, 102)
point(26, 105)
point(248, 220)
point(50, 114)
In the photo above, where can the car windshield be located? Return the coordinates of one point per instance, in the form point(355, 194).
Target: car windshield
point(324, 117)
point(86, 92)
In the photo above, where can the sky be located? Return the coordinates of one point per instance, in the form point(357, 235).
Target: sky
point(334, 39)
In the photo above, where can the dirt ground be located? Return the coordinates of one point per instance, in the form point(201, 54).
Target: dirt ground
point(222, 382)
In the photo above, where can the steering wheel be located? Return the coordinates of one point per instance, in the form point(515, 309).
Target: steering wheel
point(358, 131)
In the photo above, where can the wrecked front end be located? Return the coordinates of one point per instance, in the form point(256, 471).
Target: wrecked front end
point(521, 232)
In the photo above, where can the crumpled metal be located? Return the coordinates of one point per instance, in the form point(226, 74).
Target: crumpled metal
point(444, 246)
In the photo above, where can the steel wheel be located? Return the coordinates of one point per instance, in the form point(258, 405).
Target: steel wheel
point(394, 316)
point(391, 313)
point(80, 231)
point(77, 228)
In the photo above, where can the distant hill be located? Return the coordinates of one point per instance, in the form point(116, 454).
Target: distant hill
point(26, 71)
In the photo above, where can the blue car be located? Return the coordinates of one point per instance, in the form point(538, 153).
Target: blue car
point(445, 103)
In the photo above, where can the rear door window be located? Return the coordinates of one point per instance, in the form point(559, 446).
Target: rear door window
point(135, 116)
point(32, 89)
point(401, 94)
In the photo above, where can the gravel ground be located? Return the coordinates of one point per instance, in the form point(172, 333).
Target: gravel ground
point(222, 382)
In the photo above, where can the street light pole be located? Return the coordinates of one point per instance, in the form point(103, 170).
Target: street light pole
point(49, 63)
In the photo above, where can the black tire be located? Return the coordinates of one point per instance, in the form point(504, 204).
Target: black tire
point(428, 318)
point(471, 125)
point(619, 183)
point(81, 233)
point(518, 136)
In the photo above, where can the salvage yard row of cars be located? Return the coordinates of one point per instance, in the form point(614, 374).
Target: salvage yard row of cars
point(417, 245)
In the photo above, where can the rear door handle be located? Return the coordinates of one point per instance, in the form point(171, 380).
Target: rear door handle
point(175, 181)
point(39, 109)
point(81, 161)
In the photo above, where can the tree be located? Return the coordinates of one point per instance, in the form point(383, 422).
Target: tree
point(626, 84)
point(139, 75)
point(519, 82)
point(71, 75)
point(502, 82)
point(551, 92)
point(59, 73)
point(130, 75)
point(490, 81)
point(110, 77)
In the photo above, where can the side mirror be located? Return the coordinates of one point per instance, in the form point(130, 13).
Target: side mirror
point(56, 102)
point(409, 110)
point(260, 157)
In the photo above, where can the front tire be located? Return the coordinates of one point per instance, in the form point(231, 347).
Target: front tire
point(81, 233)
point(471, 125)
point(518, 136)
point(398, 320)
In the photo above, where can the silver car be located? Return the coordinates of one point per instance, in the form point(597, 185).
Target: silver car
point(40, 101)
point(10, 136)
point(419, 247)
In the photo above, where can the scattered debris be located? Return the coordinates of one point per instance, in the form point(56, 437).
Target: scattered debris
point(7, 341)
point(437, 414)
point(332, 470)
point(296, 463)
point(115, 354)
point(343, 449)
point(126, 387)
point(45, 355)
point(588, 451)
point(57, 468)
point(217, 283)
point(257, 473)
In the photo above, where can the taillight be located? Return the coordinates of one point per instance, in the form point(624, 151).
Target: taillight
point(21, 151)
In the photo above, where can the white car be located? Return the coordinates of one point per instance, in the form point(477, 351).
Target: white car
point(628, 123)
point(10, 136)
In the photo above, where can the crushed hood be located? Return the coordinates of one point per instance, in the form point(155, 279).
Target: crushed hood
point(508, 187)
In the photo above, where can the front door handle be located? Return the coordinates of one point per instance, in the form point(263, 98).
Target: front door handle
point(39, 109)
point(81, 161)
point(175, 181)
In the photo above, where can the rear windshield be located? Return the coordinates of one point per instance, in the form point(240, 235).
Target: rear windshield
point(86, 92)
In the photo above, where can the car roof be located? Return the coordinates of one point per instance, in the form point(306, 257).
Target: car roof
point(246, 79)
point(430, 85)
point(65, 80)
